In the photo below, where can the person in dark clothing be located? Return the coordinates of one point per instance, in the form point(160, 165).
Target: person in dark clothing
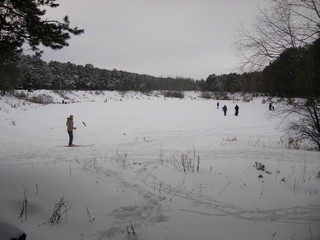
point(224, 109)
point(271, 107)
point(217, 105)
point(236, 108)
point(70, 129)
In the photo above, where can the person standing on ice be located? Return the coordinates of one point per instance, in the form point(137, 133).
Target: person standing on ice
point(224, 109)
point(236, 108)
point(70, 129)
point(270, 106)
point(217, 105)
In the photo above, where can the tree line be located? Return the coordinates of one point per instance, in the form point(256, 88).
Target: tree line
point(295, 73)
point(283, 43)
point(31, 72)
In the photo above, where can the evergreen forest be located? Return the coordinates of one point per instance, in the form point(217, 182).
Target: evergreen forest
point(295, 73)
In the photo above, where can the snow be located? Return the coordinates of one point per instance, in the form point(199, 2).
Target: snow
point(133, 177)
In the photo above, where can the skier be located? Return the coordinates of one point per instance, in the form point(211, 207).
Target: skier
point(224, 109)
point(70, 129)
point(217, 105)
point(236, 108)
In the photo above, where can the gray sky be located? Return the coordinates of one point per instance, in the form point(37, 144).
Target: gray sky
point(177, 38)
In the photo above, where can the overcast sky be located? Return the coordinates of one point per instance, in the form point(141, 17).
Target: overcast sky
point(177, 38)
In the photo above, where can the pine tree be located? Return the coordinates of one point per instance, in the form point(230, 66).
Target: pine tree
point(22, 22)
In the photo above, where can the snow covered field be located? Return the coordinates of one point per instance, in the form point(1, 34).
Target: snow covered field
point(164, 168)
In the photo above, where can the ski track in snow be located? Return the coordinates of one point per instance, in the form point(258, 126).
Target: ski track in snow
point(145, 184)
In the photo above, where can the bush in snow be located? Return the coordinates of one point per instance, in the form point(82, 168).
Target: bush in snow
point(173, 94)
point(60, 208)
point(259, 166)
point(21, 94)
point(303, 122)
point(43, 99)
point(62, 93)
point(188, 164)
point(232, 139)
point(221, 96)
point(206, 95)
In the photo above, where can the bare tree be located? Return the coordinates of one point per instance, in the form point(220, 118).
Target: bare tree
point(286, 24)
point(304, 122)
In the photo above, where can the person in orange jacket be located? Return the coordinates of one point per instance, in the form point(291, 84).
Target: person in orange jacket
point(70, 129)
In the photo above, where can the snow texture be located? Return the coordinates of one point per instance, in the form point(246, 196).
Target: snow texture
point(149, 167)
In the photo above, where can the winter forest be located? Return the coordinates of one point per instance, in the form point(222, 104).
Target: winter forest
point(105, 154)
point(293, 74)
